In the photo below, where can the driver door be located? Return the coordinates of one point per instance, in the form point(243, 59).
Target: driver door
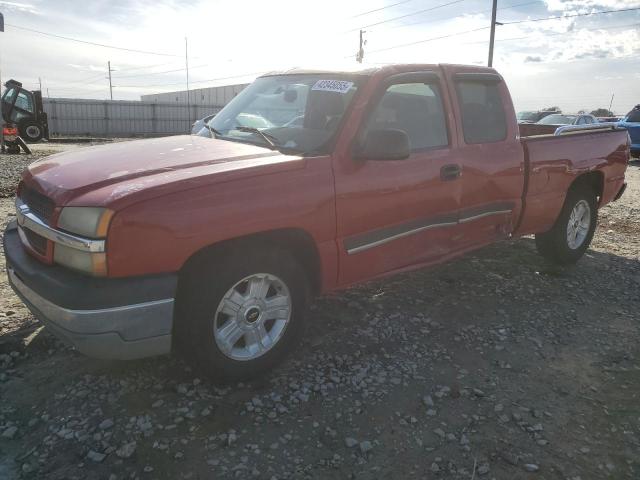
point(397, 214)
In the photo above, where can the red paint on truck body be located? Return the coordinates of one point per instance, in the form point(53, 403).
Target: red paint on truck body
point(177, 195)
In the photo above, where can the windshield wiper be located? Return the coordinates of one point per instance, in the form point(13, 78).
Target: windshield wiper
point(213, 133)
point(273, 141)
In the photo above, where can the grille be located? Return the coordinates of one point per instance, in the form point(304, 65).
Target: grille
point(37, 242)
point(38, 203)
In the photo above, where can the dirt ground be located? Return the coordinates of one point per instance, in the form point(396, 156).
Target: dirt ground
point(495, 366)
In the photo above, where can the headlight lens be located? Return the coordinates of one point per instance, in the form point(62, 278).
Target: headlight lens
point(92, 263)
point(91, 222)
point(88, 222)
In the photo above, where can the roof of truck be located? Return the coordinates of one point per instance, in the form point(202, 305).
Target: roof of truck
point(367, 70)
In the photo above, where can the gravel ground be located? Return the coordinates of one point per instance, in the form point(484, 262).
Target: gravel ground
point(11, 167)
point(494, 366)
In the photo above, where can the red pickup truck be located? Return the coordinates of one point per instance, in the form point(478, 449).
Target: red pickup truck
point(308, 181)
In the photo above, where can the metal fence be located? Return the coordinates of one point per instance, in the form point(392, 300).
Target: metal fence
point(116, 118)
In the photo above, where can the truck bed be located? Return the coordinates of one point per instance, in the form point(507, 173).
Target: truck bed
point(553, 161)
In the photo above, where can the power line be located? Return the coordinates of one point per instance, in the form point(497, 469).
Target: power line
point(426, 40)
point(192, 82)
point(432, 20)
point(569, 32)
point(130, 69)
point(407, 15)
point(378, 9)
point(484, 28)
point(159, 73)
point(571, 16)
point(146, 52)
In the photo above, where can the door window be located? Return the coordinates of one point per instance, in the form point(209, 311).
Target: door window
point(416, 109)
point(483, 118)
point(24, 102)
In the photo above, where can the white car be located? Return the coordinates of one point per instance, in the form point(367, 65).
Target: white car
point(199, 124)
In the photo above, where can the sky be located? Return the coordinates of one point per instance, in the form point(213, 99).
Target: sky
point(576, 63)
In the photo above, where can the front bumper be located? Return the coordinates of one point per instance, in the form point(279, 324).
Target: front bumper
point(103, 318)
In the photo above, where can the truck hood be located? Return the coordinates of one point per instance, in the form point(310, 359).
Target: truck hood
point(108, 174)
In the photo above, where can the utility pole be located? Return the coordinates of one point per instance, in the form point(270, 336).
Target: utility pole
point(611, 102)
point(493, 31)
point(110, 85)
point(360, 54)
point(186, 63)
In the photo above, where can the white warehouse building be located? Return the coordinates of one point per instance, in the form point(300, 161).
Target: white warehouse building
point(198, 97)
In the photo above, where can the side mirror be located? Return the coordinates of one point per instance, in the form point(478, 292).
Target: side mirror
point(386, 144)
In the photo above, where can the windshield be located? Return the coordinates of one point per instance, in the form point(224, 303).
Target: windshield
point(296, 112)
point(558, 120)
point(633, 116)
point(527, 116)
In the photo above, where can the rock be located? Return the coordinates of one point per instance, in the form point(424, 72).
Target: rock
point(96, 456)
point(435, 468)
point(483, 469)
point(510, 458)
point(126, 450)
point(428, 401)
point(147, 469)
point(9, 432)
point(350, 442)
point(439, 432)
point(366, 446)
point(106, 424)
point(531, 467)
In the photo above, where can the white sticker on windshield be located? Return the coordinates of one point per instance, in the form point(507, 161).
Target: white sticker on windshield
point(338, 86)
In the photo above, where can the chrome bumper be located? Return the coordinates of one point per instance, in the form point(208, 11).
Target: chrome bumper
point(120, 333)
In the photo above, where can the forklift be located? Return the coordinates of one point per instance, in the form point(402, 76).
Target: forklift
point(24, 117)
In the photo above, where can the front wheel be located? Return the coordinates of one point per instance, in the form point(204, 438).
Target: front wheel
point(241, 313)
point(31, 132)
point(572, 233)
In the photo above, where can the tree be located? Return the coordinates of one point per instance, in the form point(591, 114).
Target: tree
point(551, 109)
point(602, 112)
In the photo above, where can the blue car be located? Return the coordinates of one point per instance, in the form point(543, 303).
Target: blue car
point(632, 123)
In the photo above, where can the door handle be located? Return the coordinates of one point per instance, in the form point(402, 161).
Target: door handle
point(450, 172)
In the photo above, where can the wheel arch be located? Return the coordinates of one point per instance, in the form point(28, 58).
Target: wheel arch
point(295, 240)
point(593, 180)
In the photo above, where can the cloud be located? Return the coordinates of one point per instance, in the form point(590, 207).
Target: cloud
point(595, 53)
point(533, 59)
point(18, 7)
point(582, 6)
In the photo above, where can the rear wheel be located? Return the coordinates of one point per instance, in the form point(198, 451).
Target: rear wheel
point(572, 233)
point(241, 313)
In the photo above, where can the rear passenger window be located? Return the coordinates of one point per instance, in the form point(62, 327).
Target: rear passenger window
point(483, 118)
point(415, 108)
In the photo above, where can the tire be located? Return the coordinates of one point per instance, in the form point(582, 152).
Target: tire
point(565, 244)
point(224, 340)
point(31, 132)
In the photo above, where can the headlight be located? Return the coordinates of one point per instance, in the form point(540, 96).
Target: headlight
point(92, 263)
point(88, 222)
